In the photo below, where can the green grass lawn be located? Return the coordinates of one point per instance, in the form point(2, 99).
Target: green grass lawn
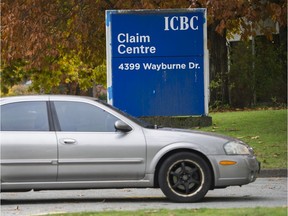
point(185, 212)
point(264, 130)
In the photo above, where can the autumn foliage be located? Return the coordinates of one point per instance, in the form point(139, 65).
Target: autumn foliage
point(39, 38)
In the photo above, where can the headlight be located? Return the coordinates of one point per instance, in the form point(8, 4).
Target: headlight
point(237, 148)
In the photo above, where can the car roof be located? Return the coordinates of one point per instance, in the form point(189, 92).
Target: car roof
point(44, 98)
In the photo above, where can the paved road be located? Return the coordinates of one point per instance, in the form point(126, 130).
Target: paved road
point(265, 192)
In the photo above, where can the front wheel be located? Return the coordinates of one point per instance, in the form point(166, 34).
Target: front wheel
point(185, 177)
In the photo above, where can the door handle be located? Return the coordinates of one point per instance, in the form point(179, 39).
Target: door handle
point(68, 141)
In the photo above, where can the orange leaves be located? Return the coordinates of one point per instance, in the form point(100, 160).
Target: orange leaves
point(279, 13)
point(244, 16)
point(221, 27)
point(35, 29)
point(26, 29)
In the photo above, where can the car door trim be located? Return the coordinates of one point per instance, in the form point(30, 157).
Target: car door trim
point(101, 161)
point(28, 162)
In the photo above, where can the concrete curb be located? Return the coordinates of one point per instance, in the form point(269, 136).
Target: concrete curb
point(266, 173)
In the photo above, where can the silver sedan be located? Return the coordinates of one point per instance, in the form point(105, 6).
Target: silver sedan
point(69, 142)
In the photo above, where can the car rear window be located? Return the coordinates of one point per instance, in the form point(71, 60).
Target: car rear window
point(24, 116)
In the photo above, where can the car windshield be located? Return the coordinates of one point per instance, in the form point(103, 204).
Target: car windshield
point(138, 121)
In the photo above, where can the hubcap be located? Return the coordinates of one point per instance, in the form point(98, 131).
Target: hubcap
point(185, 177)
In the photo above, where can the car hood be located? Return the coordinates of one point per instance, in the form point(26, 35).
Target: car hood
point(208, 143)
point(196, 132)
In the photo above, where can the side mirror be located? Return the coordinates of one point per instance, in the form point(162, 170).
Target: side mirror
point(122, 126)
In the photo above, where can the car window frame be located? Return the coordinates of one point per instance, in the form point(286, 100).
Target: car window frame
point(56, 121)
point(50, 124)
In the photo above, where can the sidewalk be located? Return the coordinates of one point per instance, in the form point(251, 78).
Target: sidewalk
point(266, 173)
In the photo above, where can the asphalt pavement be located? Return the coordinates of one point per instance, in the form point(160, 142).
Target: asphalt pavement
point(264, 192)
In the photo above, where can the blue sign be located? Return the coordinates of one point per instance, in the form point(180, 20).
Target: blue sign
point(156, 61)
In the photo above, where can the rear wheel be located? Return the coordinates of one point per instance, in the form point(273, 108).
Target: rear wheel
point(185, 177)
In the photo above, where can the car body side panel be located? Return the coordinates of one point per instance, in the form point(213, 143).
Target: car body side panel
point(102, 156)
point(162, 141)
point(146, 182)
point(243, 172)
point(28, 156)
point(99, 156)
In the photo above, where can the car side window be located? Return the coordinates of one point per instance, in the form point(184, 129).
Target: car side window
point(24, 116)
point(83, 117)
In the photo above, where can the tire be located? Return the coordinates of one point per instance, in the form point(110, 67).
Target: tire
point(185, 177)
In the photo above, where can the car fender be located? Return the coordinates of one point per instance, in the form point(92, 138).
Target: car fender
point(172, 147)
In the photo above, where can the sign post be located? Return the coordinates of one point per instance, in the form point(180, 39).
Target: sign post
point(157, 61)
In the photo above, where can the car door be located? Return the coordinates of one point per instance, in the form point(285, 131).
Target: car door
point(28, 147)
point(90, 149)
